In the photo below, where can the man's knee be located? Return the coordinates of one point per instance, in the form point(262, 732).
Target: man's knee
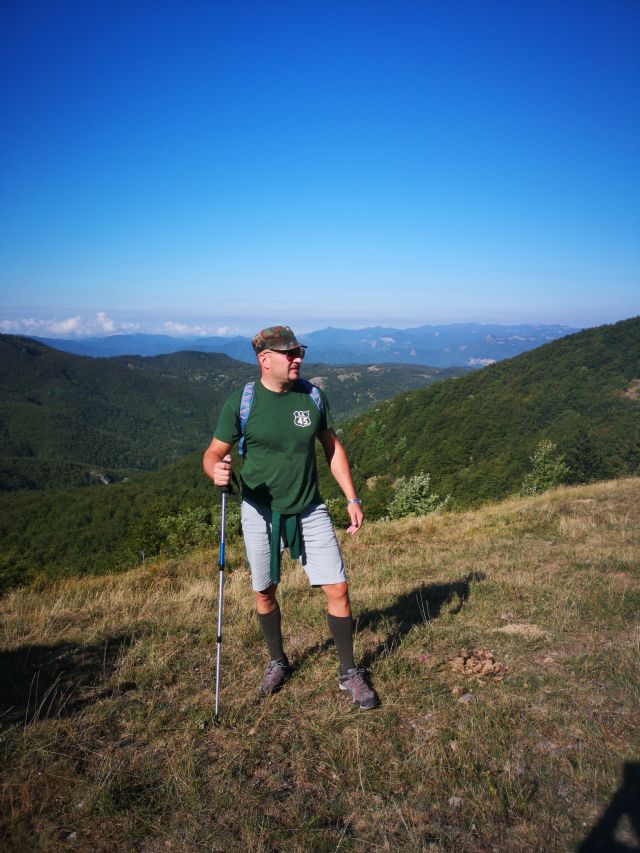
point(337, 591)
point(266, 601)
point(338, 599)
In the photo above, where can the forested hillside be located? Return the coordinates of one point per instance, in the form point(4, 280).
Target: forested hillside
point(89, 530)
point(476, 435)
point(70, 420)
point(352, 388)
point(64, 419)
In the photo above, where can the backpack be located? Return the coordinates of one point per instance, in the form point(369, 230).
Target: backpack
point(247, 401)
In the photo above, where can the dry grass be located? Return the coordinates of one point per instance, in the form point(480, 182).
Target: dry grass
point(105, 736)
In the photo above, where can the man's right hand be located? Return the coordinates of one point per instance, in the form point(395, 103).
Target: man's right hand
point(222, 472)
point(217, 463)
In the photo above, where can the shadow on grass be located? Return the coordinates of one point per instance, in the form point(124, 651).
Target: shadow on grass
point(41, 682)
point(417, 607)
point(624, 803)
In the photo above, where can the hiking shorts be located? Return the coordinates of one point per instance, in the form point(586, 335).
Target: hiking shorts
point(321, 558)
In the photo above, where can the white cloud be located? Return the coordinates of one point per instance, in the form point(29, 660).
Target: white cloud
point(44, 328)
point(173, 328)
point(76, 326)
point(70, 326)
point(226, 331)
point(105, 323)
point(101, 324)
point(22, 326)
point(9, 326)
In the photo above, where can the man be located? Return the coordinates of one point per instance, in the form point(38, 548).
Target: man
point(281, 504)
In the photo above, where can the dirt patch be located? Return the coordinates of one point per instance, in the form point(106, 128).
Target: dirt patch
point(523, 629)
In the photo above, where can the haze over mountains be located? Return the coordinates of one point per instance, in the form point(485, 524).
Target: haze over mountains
point(461, 344)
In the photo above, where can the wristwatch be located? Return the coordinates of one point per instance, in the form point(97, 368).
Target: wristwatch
point(354, 501)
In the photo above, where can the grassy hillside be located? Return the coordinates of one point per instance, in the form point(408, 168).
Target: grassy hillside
point(476, 435)
point(503, 643)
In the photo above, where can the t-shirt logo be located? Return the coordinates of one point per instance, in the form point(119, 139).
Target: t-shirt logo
point(302, 419)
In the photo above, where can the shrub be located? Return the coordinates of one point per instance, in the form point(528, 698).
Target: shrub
point(197, 528)
point(548, 469)
point(413, 496)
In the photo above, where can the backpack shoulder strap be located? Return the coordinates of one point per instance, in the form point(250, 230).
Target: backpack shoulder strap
point(246, 402)
point(313, 391)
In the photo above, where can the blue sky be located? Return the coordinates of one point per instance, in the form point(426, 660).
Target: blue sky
point(208, 166)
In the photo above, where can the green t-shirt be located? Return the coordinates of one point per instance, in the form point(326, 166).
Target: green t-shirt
point(279, 468)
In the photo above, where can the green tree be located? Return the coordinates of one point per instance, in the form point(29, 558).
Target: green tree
point(584, 461)
point(548, 469)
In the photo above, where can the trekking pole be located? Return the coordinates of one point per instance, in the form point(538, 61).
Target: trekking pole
point(223, 518)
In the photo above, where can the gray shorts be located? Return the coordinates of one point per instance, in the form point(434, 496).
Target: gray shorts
point(321, 559)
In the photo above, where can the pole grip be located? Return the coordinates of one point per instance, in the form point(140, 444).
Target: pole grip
point(223, 519)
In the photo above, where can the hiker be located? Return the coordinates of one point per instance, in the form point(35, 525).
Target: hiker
point(275, 422)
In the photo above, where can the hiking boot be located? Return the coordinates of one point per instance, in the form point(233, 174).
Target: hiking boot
point(353, 681)
point(274, 677)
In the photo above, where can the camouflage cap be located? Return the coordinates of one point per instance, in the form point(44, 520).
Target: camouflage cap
point(280, 338)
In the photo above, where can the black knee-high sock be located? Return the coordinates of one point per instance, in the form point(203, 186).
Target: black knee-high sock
point(341, 628)
point(270, 624)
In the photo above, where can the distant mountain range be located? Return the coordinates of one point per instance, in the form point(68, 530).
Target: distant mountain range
point(464, 344)
point(455, 345)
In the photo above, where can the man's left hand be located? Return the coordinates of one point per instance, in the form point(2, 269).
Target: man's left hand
point(357, 517)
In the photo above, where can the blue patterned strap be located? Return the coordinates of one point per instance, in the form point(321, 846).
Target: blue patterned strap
point(245, 407)
point(313, 392)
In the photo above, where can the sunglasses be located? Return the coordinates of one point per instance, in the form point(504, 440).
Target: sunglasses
point(290, 354)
